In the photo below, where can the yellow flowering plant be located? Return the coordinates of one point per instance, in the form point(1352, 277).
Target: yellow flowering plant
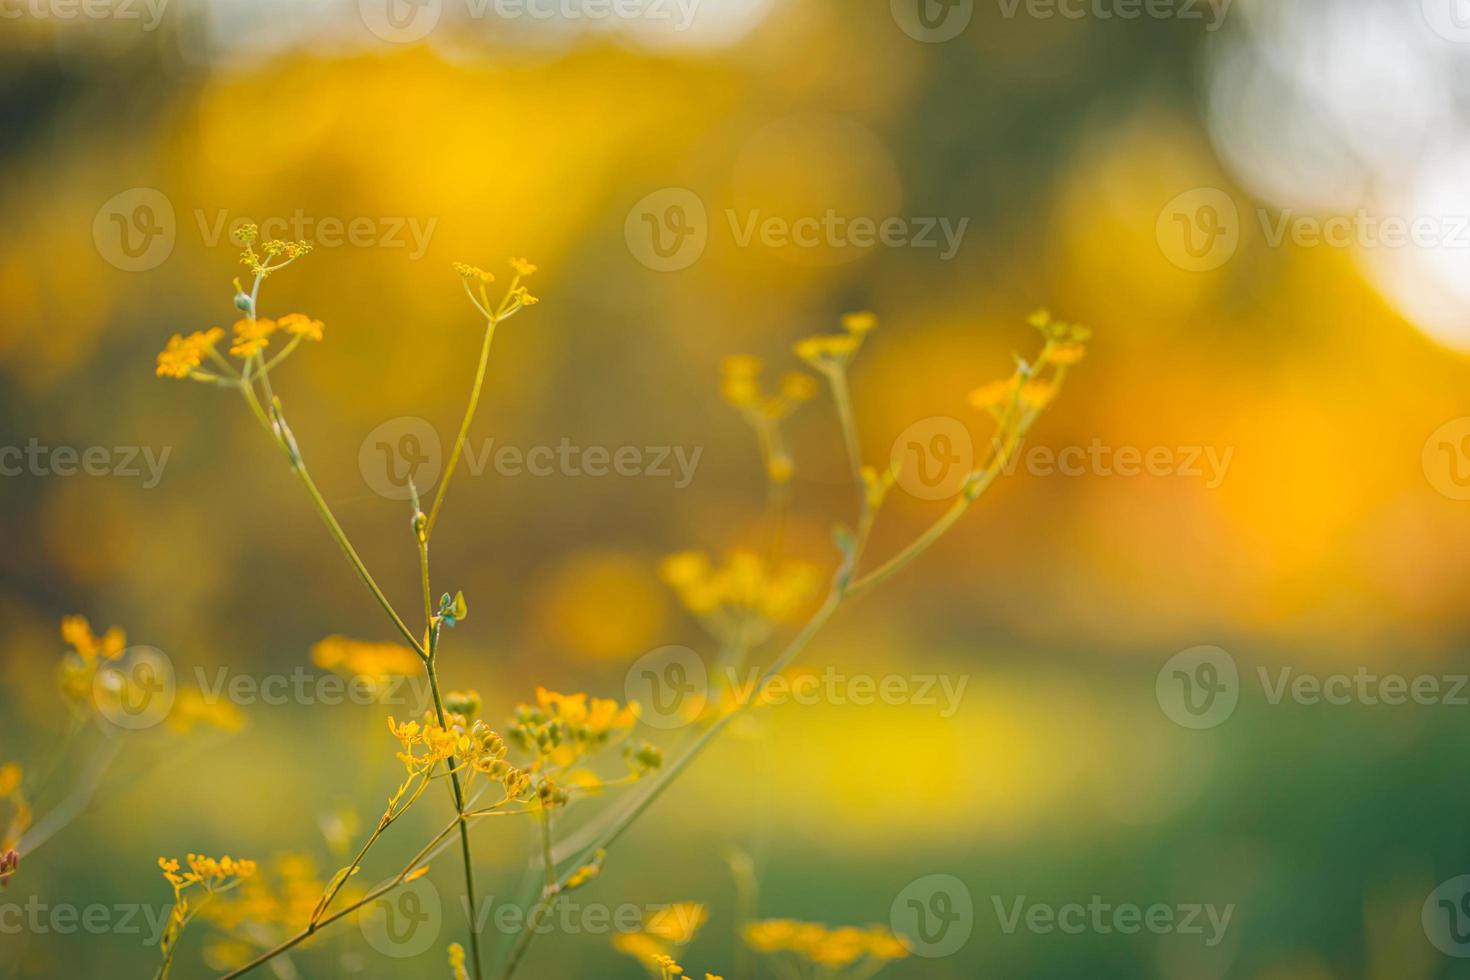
point(547, 756)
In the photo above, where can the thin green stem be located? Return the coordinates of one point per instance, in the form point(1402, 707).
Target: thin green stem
point(464, 426)
point(842, 398)
point(459, 808)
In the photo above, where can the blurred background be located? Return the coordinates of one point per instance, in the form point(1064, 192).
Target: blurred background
point(1260, 208)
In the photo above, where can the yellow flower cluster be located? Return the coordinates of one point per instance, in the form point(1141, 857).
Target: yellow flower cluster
point(516, 297)
point(831, 949)
point(741, 387)
point(830, 353)
point(183, 354)
point(210, 875)
point(474, 747)
point(191, 708)
point(1026, 389)
point(88, 652)
point(262, 264)
point(743, 584)
point(653, 944)
point(372, 664)
point(252, 334)
point(561, 729)
point(282, 897)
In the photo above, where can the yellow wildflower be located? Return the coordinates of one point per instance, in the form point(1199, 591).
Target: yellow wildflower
point(301, 325)
point(374, 664)
point(995, 394)
point(468, 271)
point(251, 336)
point(830, 352)
point(77, 633)
point(184, 354)
point(522, 267)
point(860, 322)
point(1065, 353)
point(456, 962)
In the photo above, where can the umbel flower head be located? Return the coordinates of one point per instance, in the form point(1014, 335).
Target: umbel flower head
point(830, 353)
